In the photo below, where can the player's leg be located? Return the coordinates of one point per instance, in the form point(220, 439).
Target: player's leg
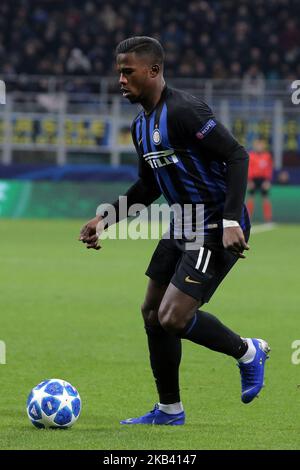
point(266, 203)
point(164, 348)
point(179, 313)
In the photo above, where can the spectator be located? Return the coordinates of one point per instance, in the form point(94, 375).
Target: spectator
point(266, 34)
point(283, 177)
point(254, 82)
point(78, 63)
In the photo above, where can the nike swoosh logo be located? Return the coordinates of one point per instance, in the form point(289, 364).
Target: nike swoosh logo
point(167, 422)
point(129, 420)
point(140, 141)
point(251, 388)
point(188, 279)
point(172, 420)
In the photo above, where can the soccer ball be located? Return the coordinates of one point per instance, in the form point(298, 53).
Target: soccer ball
point(53, 403)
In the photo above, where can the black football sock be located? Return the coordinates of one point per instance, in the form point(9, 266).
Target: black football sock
point(207, 330)
point(165, 356)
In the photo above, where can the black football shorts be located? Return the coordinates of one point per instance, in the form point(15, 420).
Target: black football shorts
point(197, 273)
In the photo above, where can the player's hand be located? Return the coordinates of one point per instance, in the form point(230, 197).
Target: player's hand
point(266, 185)
point(91, 232)
point(250, 185)
point(234, 241)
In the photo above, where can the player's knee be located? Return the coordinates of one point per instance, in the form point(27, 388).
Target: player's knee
point(170, 319)
point(150, 315)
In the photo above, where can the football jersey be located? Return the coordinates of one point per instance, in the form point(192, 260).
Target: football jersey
point(185, 152)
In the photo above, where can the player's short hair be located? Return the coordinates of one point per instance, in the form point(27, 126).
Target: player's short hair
point(142, 45)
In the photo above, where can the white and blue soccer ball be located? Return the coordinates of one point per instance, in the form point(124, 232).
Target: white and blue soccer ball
point(53, 403)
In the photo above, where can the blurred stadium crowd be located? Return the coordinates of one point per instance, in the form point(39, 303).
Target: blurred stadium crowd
point(203, 39)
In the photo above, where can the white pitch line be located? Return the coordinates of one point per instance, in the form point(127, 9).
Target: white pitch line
point(263, 227)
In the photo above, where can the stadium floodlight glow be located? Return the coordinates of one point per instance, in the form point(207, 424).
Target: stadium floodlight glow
point(2, 92)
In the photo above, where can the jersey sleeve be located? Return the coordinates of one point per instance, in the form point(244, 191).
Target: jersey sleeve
point(205, 134)
point(199, 126)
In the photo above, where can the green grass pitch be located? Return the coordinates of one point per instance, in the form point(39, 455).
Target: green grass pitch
point(72, 313)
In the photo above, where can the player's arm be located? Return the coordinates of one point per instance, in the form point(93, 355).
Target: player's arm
point(236, 159)
point(217, 143)
point(144, 191)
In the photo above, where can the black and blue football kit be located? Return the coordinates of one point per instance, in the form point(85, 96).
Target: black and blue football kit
point(190, 158)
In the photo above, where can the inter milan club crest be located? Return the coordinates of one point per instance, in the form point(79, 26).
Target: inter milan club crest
point(156, 137)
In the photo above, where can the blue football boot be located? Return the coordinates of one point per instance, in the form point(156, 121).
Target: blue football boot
point(252, 373)
point(157, 416)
